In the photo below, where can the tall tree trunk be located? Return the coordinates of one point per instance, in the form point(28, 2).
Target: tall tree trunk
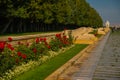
point(19, 26)
point(6, 26)
point(11, 29)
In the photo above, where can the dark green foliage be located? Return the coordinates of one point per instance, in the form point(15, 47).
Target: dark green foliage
point(46, 15)
point(25, 50)
point(7, 60)
point(40, 48)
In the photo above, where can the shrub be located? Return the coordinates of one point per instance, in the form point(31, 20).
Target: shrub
point(60, 41)
point(24, 54)
point(7, 60)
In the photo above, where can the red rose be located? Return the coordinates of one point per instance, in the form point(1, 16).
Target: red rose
point(37, 40)
point(10, 39)
point(11, 48)
point(27, 44)
point(58, 36)
point(41, 39)
point(64, 37)
point(19, 53)
point(44, 39)
point(48, 47)
point(45, 43)
point(19, 42)
point(24, 56)
point(34, 50)
point(2, 45)
point(9, 45)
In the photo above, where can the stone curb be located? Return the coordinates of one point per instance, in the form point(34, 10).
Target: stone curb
point(26, 37)
point(58, 72)
point(55, 75)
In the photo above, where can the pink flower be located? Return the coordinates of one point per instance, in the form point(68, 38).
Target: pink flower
point(10, 39)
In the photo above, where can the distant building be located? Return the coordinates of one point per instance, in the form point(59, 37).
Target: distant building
point(107, 24)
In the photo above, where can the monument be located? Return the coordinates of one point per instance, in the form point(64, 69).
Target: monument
point(107, 24)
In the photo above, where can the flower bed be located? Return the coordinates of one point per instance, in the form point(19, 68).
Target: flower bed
point(26, 55)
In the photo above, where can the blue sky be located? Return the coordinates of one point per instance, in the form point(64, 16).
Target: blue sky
point(108, 10)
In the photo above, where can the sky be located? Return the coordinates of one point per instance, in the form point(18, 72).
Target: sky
point(107, 9)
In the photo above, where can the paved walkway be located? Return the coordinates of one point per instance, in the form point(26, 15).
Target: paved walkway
point(88, 67)
point(108, 67)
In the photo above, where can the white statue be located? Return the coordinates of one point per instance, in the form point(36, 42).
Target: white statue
point(107, 24)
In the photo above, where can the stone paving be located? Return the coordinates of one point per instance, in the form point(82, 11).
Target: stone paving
point(88, 67)
point(84, 67)
point(109, 65)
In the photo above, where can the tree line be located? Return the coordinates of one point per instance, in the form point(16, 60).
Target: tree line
point(18, 16)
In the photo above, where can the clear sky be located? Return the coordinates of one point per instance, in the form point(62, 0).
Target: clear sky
point(108, 10)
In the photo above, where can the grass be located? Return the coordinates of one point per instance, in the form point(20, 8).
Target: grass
point(42, 71)
point(117, 32)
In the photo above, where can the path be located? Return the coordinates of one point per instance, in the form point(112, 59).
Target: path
point(109, 64)
point(84, 67)
point(88, 67)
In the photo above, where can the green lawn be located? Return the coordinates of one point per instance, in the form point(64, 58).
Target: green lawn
point(42, 71)
point(117, 32)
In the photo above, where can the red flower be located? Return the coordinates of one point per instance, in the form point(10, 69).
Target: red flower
point(10, 47)
point(10, 39)
point(45, 43)
point(24, 56)
point(19, 42)
point(41, 39)
point(27, 44)
point(64, 37)
point(58, 35)
point(44, 39)
point(34, 50)
point(48, 47)
point(37, 40)
point(2, 45)
point(19, 53)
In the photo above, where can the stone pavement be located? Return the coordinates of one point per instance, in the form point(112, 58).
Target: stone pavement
point(108, 67)
point(89, 65)
point(84, 67)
